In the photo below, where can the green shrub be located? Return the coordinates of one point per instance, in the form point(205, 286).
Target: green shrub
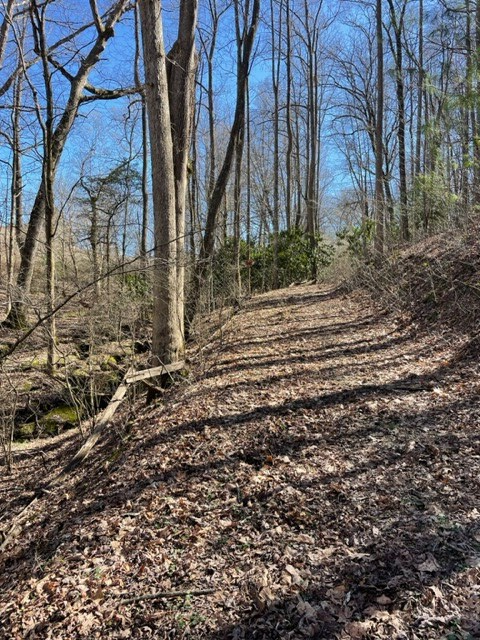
point(358, 238)
point(298, 259)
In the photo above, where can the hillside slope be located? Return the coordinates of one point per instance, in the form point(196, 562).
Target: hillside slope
point(436, 280)
point(320, 474)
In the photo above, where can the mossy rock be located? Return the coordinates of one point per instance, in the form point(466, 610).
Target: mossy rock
point(80, 374)
point(35, 363)
point(62, 417)
point(108, 363)
point(78, 379)
point(24, 431)
point(4, 349)
point(65, 361)
point(38, 363)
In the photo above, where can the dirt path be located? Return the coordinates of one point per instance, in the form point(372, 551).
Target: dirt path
point(321, 473)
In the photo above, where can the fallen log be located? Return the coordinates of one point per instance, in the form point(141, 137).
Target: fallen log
point(105, 417)
point(154, 372)
point(100, 423)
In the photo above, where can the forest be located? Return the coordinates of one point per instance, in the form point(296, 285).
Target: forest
point(240, 319)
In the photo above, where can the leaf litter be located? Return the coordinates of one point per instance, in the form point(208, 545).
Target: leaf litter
point(320, 473)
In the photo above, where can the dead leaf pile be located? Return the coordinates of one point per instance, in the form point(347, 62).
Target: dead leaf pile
point(320, 473)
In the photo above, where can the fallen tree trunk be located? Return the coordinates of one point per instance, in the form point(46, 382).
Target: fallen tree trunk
point(131, 377)
point(155, 372)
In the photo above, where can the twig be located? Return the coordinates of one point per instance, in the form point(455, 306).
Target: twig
point(213, 337)
point(168, 594)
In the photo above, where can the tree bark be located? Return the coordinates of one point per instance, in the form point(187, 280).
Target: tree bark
point(169, 90)
point(420, 89)
point(181, 70)
point(379, 187)
point(397, 50)
point(288, 177)
point(144, 125)
point(275, 70)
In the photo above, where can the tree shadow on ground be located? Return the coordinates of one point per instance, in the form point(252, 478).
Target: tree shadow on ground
point(312, 332)
point(301, 298)
point(366, 594)
point(94, 481)
point(392, 442)
point(323, 354)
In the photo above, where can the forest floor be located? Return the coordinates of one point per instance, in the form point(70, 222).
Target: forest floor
point(319, 472)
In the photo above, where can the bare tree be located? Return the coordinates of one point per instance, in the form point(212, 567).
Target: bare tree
point(169, 90)
point(243, 70)
point(80, 92)
point(379, 182)
point(397, 20)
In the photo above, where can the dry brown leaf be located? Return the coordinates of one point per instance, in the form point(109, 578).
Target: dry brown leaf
point(429, 565)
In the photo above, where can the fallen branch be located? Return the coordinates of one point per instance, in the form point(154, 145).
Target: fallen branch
point(146, 374)
point(77, 459)
point(15, 529)
point(168, 594)
point(105, 417)
point(130, 378)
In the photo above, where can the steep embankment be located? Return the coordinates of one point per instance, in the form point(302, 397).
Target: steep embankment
point(437, 281)
point(320, 474)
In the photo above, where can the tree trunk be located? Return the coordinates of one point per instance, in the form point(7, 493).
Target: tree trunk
point(167, 337)
point(169, 99)
point(239, 118)
point(418, 145)
point(288, 177)
point(144, 124)
point(379, 198)
point(275, 70)
point(476, 113)
point(397, 50)
point(17, 178)
point(218, 193)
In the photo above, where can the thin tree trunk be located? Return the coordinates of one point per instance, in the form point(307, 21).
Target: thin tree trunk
point(167, 344)
point(288, 160)
point(48, 178)
point(237, 190)
point(218, 193)
point(144, 125)
point(420, 91)
point(298, 172)
point(465, 112)
point(379, 187)
point(397, 50)
point(248, 230)
point(5, 28)
point(476, 113)
point(17, 177)
point(275, 71)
